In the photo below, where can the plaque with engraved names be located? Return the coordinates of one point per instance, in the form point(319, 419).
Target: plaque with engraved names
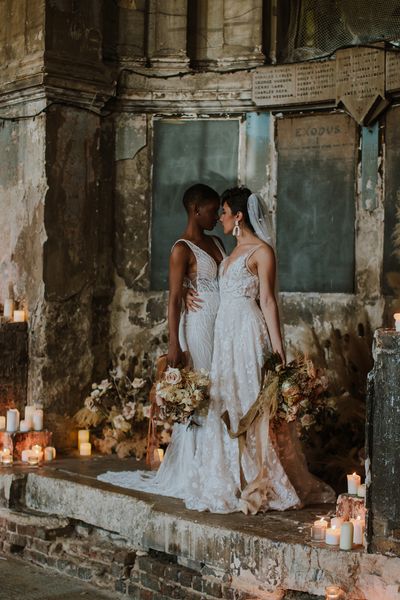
point(393, 71)
point(294, 84)
point(360, 80)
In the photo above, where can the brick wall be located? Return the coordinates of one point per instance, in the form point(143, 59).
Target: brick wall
point(107, 561)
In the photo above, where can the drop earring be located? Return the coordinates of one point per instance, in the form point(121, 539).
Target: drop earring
point(236, 229)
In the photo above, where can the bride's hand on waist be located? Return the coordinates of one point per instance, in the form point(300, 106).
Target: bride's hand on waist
point(192, 301)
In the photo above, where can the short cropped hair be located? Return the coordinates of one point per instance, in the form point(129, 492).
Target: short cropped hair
point(199, 194)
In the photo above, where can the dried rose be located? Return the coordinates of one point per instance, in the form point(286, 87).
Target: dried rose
point(129, 410)
point(307, 421)
point(90, 404)
point(120, 423)
point(173, 376)
point(138, 383)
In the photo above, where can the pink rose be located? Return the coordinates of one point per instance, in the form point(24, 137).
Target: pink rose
point(172, 376)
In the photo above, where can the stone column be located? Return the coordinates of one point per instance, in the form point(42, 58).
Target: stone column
point(243, 32)
point(383, 435)
point(167, 34)
point(227, 33)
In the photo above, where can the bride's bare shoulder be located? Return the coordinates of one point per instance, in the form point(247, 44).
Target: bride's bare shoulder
point(264, 250)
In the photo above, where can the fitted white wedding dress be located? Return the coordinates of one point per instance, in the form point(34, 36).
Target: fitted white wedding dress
point(196, 335)
point(270, 459)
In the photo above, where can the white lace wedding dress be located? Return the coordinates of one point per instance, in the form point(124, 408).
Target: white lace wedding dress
point(202, 465)
point(196, 335)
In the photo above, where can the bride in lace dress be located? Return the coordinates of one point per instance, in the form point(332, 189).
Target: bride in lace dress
point(194, 264)
point(262, 474)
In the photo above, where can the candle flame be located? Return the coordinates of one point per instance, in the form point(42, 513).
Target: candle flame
point(358, 518)
point(354, 474)
point(396, 316)
point(333, 526)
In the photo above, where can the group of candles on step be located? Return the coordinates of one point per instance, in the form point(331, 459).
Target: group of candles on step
point(33, 457)
point(344, 534)
point(33, 420)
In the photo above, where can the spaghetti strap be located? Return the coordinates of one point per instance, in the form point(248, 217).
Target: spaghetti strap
point(219, 245)
point(249, 255)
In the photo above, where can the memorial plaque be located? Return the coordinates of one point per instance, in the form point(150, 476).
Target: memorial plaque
point(294, 84)
point(360, 80)
point(393, 71)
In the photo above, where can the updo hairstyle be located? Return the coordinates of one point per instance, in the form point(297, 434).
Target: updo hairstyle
point(236, 198)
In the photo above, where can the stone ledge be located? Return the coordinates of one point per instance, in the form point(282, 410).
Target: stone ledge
point(260, 554)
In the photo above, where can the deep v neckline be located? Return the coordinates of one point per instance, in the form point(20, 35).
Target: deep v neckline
point(245, 254)
point(217, 264)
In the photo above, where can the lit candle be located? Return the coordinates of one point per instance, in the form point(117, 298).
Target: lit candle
point(318, 530)
point(33, 460)
point(37, 419)
point(25, 454)
point(333, 592)
point(397, 321)
point(336, 522)
point(83, 436)
point(12, 420)
point(332, 536)
point(353, 481)
point(24, 425)
point(346, 536)
point(85, 449)
point(49, 453)
point(8, 308)
point(19, 316)
point(2, 423)
point(361, 491)
point(358, 536)
point(37, 451)
point(7, 460)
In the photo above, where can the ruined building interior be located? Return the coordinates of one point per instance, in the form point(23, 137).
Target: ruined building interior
point(109, 110)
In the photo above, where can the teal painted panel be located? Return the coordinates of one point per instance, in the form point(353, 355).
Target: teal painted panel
point(185, 153)
point(258, 143)
point(316, 203)
point(369, 165)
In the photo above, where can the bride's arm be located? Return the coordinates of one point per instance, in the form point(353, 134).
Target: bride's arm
point(266, 270)
point(178, 264)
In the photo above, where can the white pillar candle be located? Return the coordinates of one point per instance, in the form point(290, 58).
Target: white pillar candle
point(396, 320)
point(29, 410)
point(159, 454)
point(318, 530)
point(49, 453)
point(19, 316)
point(25, 454)
point(83, 436)
point(38, 451)
point(33, 460)
point(12, 420)
point(7, 460)
point(333, 592)
point(336, 522)
point(361, 491)
point(332, 536)
point(24, 425)
point(346, 536)
point(2, 423)
point(353, 481)
point(85, 449)
point(358, 535)
point(8, 308)
point(37, 419)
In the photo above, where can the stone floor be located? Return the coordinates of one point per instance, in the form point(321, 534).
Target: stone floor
point(20, 580)
point(262, 552)
point(289, 526)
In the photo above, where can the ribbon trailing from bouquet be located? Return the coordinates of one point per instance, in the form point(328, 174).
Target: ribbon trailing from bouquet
point(265, 403)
